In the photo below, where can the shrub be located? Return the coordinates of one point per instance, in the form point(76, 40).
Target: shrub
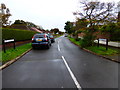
point(87, 40)
point(77, 39)
point(17, 34)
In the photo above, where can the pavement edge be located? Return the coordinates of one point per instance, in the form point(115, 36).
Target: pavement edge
point(14, 60)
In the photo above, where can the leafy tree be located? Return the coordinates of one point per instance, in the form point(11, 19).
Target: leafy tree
point(81, 25)
point(4, 15)
point(47, 30)
point(69, 28)
point(61, 32)
point(96, 13)
point(19, 22)
point(55, 30)
point(113, 29)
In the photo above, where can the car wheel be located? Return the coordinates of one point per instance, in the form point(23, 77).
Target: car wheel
point(48, 46)
point(33, 48)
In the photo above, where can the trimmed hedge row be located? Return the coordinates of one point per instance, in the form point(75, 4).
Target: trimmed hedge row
point(17, 34)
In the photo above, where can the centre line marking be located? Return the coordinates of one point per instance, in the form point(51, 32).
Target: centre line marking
point(58, 46)
point(72, 75)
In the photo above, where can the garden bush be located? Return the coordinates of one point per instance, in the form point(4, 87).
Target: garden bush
point(77, 39)
point(87, 40)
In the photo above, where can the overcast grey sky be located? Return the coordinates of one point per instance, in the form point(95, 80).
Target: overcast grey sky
point(47, 13)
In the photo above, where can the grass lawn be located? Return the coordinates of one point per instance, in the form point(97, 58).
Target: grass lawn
point(101, 50)
point(13, 53)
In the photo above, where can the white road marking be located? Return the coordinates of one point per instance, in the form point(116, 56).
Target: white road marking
point(72, 75)
point(58, 46)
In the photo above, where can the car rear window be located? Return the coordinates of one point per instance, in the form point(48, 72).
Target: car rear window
point(39, 36)
point(51, 36)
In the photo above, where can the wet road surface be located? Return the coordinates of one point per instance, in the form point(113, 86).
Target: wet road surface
point(64, 65)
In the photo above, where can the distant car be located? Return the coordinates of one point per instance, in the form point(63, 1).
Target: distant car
point(52, 38)
point(66, 34)
point(41, 40)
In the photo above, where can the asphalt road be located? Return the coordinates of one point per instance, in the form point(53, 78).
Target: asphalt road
point(64, 65)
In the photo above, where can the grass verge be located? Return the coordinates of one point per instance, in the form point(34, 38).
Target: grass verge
point(74, 41)
point(13, 53)
point(101, 50)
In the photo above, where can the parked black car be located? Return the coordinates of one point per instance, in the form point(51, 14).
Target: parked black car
point(41, 40)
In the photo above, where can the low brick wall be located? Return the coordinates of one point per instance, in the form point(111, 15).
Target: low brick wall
point(8, 45)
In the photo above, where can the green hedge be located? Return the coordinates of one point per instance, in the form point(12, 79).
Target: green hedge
point(17, 34)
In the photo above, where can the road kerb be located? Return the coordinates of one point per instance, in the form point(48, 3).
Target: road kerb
point(14, 60)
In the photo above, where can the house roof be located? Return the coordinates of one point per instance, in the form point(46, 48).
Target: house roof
point(35, 29)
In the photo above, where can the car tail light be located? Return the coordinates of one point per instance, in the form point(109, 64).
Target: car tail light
point(46, 39)
point(45, 36)
point(32, 38)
